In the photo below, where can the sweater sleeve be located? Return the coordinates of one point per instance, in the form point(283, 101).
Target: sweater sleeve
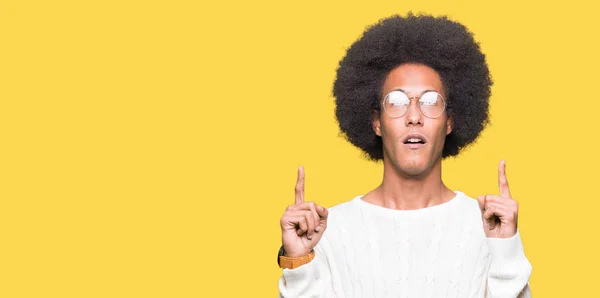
point(509, 269)
point(309, 280)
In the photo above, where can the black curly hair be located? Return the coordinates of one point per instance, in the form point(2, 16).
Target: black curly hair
point(438, 42)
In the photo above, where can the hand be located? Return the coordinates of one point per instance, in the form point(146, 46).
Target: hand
point(302, 224)
point(499, 213)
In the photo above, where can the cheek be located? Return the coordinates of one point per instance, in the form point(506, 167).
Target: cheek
point(391, 134)
point(389, 127)
point(440, 132)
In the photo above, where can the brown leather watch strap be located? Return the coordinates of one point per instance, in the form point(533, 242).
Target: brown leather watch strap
point(292, 263)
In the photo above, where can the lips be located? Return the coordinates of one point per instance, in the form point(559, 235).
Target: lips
point(414, 141)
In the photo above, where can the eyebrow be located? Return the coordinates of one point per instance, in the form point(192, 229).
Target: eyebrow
point(424, 91)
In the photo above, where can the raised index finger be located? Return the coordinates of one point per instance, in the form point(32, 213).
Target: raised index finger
point(502, 181)
point(300, 186)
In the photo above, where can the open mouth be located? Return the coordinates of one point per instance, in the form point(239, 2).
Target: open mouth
point(414, 141)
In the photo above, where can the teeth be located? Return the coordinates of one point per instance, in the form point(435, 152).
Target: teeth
point(414, 140)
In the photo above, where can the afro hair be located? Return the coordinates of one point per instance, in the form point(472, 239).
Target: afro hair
point(438, 42)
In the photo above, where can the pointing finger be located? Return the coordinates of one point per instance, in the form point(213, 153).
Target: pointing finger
point(300, 186)
point(502, 181)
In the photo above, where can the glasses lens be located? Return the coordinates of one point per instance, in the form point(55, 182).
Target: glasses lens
point(396, 104)
point(432, 104)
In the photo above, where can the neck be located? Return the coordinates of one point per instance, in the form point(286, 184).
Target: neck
point(404, 192)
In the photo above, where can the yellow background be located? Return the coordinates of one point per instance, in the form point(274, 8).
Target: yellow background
point(149, 148)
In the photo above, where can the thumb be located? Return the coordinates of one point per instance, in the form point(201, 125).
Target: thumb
point(323, 213)
point(487, 222)
point(490, 223)
point(481, 201)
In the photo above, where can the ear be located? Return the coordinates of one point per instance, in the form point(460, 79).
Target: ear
point(376, 122)
point(449, 125)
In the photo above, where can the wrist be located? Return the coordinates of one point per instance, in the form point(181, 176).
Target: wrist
point(291, 262)
point(294, 251)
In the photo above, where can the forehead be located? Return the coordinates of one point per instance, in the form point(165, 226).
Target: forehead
point(413, 79)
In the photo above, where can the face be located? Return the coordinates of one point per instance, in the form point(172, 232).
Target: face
point(413, 143)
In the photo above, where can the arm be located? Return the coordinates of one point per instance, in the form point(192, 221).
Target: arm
point(302, 227)
point(509, 270)
point(309, 280)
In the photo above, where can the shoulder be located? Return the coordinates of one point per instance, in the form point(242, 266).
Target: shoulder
point(468, 206)
point(345, 214)
point(470, 216)
point(466, 202)
point(342, 210)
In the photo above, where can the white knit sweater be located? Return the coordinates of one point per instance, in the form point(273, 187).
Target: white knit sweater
point(439, 251)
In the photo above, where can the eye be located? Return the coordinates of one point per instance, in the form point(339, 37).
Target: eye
point(397, 98)
point(430, 98)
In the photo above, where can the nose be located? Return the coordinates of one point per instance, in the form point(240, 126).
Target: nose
point(413, 115)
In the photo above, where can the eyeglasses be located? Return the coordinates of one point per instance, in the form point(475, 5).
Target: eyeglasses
point(431, 104)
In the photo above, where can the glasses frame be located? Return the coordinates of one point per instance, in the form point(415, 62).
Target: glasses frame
point(410, 103)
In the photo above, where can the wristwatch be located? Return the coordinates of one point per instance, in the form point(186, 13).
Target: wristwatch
point(292, 263)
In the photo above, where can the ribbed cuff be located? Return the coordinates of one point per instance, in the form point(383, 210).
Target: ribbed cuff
point(305, 271)
point(506, 249)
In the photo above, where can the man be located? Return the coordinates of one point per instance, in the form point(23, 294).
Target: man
point(411, 91)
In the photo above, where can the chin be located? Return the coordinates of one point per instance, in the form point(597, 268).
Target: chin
point(413, 167)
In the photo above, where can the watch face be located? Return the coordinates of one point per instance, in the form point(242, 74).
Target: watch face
point(280, 254)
